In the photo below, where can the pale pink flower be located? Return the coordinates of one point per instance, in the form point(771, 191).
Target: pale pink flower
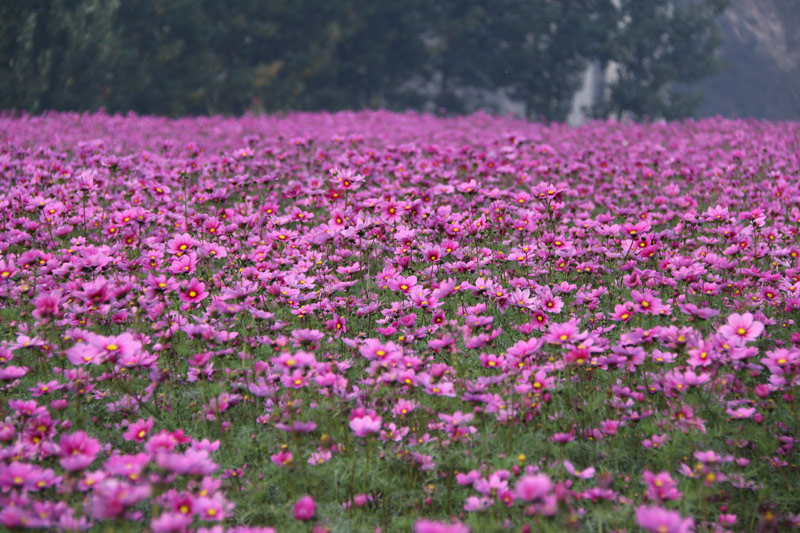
point(78, 450)
point(364, 423)
point(305, 508)
point(531, 488)
point(743, 327)
point(659, 520)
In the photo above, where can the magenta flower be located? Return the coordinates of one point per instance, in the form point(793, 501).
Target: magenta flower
point(282, 458)
point(111, 498)
point(587, 473)
point(304, 509)
point(99, 349)
point(659, 520)
point(562, 333)
point(25, 476)
point(364, 423)
point(185, 264)
point(194, 291)
point(192, 462)
point(373, 349)
point(14, 517)
point(171, 522)
point(165, 441)
point(129, 466)
point(12, 372)
point(533, 488)
point(213, 508)
point(7, 269)
point(77, 451)
point(404, 407)
point(138, 431)
point(743, 327)
point(661, 486)
point(46, 305)
point(180, 244)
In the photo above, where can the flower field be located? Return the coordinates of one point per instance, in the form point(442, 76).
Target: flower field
point(396, 322)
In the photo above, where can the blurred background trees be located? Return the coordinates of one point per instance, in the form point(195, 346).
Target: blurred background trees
point(177, 57)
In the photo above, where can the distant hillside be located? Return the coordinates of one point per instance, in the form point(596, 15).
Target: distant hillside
point(762, 46)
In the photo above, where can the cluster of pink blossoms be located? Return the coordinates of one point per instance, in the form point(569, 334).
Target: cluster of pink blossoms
point(507, 323)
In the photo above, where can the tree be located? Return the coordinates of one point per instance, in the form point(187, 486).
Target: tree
point(55, 53)
point(177, 57)
point(546, 48)
point(660, 48)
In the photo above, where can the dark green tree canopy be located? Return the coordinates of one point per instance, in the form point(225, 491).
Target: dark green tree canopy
point(659, 50)
point(178, 57)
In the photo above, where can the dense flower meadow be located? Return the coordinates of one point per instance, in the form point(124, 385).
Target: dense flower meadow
point(375, 321)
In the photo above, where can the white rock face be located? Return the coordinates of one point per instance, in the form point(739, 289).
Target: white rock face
point(762, 47)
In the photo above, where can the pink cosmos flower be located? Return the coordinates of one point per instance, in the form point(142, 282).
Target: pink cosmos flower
point(477, 503)
point(548, 301)
point(194, 291)
point(77, 450)
point(563, 437)
point(364, 423)
point(781, 361)
point(192, 462)
point(165, 441)
point(46, 305)
point(345, 178)
point(14, 517)
point(659, 520)
point(45, 388)
point(647, 302)
point(171, 522)
point(185, 264)
point(623, 312)
point(159, 285)
point(111, 498)
point(587, 473)
point(532, 488)
point(740, 412)
point(213, 508)
point(404, 407)
point(282, 458)
point(30, 477)
point(525, 348)
point(12, 372)
point(304, 509)
point(661, 486)
point(180, 244)
point(338, 324)
point(7, 269)
point(319, 457)
point(129, 466)
point(100, 349)
point(138, 431)
point(391, 212)
point(541, 381)
point(563, 333)
point(402, 284)
point(743, 327)
point(373, 349)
